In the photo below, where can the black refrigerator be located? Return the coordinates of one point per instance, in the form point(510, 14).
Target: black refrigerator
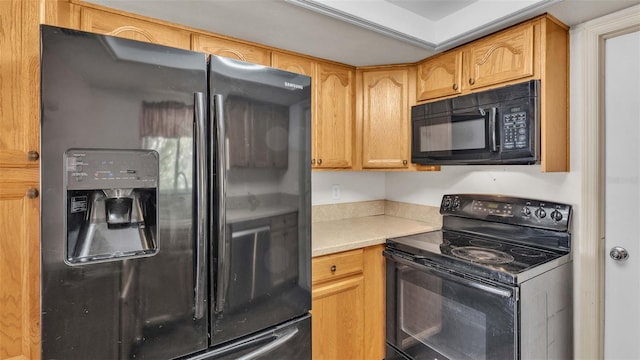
point(175, 207)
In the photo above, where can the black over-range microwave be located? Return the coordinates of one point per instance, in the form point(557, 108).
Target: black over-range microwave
point(497, 126)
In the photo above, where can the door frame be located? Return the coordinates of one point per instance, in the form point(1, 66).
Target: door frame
point(589, 250)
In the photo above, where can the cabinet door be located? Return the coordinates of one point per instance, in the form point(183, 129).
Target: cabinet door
point(338, 319)
point(231, 49)
point(332, 121)
point(440, 76)
point(503, 57)
point(108, 23)
point(296, 64)
point(385, 120)
point(19, 264)
point(19, 172)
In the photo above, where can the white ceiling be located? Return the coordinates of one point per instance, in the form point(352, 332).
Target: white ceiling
point(363, 32)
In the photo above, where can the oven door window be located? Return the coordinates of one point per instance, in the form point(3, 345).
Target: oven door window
point(438, 315)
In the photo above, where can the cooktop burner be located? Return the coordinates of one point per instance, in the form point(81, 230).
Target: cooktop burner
point(482, 255)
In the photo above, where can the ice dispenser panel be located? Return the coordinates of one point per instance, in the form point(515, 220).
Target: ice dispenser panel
point(111, 198)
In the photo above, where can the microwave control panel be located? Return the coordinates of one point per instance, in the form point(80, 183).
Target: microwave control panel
point(515, 125)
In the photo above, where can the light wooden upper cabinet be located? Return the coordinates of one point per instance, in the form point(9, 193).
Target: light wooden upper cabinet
point(231, 49)
point(108, 23)
point(332, 119)
point(503, 57)
point(491, 61)
point(440, 76)
point(292, 63)
point(535, 49)
point(386, 138)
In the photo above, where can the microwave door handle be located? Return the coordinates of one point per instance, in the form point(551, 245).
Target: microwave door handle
point(493, 113)
point(201, 191)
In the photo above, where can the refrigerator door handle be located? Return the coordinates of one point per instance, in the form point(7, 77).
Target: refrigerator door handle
point(201, 201)
point(223, 261)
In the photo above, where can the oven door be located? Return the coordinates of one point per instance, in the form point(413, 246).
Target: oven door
point(432, 313)
point(459, 138)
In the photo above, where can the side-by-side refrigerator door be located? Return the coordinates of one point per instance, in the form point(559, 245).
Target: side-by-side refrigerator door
point(261, 235)
point(123, 208)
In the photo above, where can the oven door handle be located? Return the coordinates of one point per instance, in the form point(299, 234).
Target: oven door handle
point(449, 276)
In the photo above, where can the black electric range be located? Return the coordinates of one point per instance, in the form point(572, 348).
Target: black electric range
point(497, 238)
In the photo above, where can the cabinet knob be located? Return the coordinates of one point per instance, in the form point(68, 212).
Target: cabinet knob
point(319, 161)
point(471, 81)
point(333, 268)
point(32, 155)
point(455, 86)
point(32, 193)
point(313, 161)
point(404, 162)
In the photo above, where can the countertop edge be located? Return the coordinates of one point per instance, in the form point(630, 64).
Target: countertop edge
point(332, 237)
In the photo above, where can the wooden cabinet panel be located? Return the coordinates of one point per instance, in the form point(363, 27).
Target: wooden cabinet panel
point(440, 76)
point(386, 120)
point(337, 266)
point(19, 214)
point(19, 83)
point(332, 124)
point(374, 302)
point(500, 58)
point(296, 64)
point(338, 320)
point(108, 23)
point(19, 264)
point(346, 286)
point(231, 49)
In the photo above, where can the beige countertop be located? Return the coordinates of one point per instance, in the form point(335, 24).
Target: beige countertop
point(328, 237)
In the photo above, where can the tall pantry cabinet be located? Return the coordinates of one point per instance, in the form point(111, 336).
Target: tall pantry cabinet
point(19, 179)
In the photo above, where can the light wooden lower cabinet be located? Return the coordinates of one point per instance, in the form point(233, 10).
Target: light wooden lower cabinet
point(348, 305)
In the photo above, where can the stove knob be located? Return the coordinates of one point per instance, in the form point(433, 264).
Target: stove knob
point(556, 215)
point(526, 211)
point(541, 213)
point(456, 203)
point(446, 203)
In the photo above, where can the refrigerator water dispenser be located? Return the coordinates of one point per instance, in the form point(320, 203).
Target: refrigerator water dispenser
point(111, 211)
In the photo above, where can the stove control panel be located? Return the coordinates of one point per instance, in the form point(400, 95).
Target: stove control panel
point(511, 210)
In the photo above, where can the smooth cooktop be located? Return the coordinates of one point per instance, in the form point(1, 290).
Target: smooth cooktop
point(486, 257)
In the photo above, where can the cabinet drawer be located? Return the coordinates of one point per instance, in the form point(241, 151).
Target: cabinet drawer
point(335, 266)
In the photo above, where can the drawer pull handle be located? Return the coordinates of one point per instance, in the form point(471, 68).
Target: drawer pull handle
point(333, 268)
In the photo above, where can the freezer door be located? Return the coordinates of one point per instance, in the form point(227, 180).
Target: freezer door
point(290, 341)
point(261, 248)
point(101, 297)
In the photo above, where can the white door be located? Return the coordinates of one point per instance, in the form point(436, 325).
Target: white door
point(622, 197)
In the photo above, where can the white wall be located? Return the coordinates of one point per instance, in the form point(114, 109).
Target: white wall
point(353, 186)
